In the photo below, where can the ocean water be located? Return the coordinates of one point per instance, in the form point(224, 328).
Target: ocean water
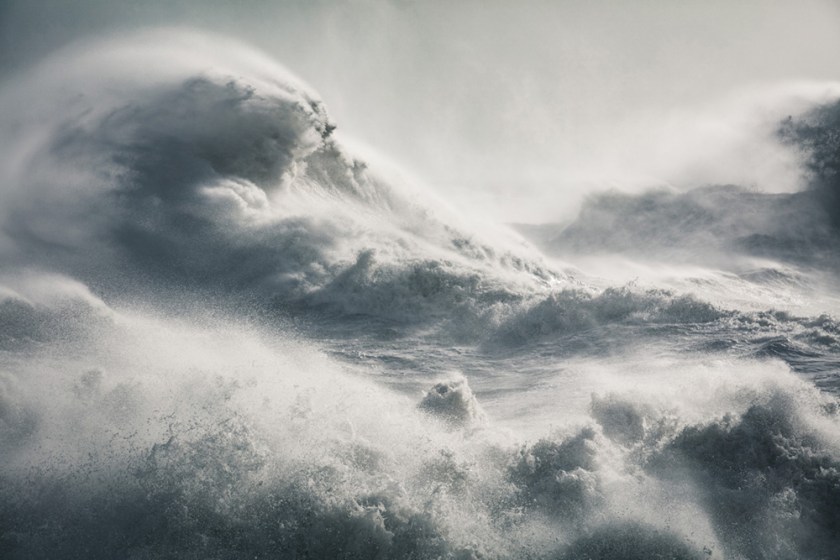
point(225, 335)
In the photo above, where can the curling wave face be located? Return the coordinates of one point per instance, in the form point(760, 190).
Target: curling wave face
point(224, 179)
point(222, 335)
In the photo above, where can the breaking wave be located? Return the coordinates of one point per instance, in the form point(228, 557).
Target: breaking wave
point(225, 180)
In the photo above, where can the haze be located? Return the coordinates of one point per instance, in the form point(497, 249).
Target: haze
point(514, 109)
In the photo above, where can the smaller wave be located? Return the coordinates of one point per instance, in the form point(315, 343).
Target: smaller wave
point(453, 402)
point(814, 135)
point(771, 485)
point(559, 477)
point(574, 312)
point(721, 225)
point(715, 225)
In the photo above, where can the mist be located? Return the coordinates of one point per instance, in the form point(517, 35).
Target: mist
point(518, 110)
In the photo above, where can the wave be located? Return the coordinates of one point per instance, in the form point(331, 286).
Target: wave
point(575, 312)
point(771, 487)
point(814, 135)
point(721, 225)
point(276, 449)
point(227, 180)
point(223, 335)
point(717, 225)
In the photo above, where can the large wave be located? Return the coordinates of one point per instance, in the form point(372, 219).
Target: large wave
point(223, 175)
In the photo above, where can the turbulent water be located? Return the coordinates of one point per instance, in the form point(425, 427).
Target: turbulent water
point(224, 335)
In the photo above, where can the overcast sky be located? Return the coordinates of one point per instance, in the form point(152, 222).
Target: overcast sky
point(510, 98)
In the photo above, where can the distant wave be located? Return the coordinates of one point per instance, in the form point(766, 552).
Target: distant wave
point(716, 224)
point(707, 225)
point(816, 135)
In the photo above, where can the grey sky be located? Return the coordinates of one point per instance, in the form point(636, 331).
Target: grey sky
point(510, 98)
